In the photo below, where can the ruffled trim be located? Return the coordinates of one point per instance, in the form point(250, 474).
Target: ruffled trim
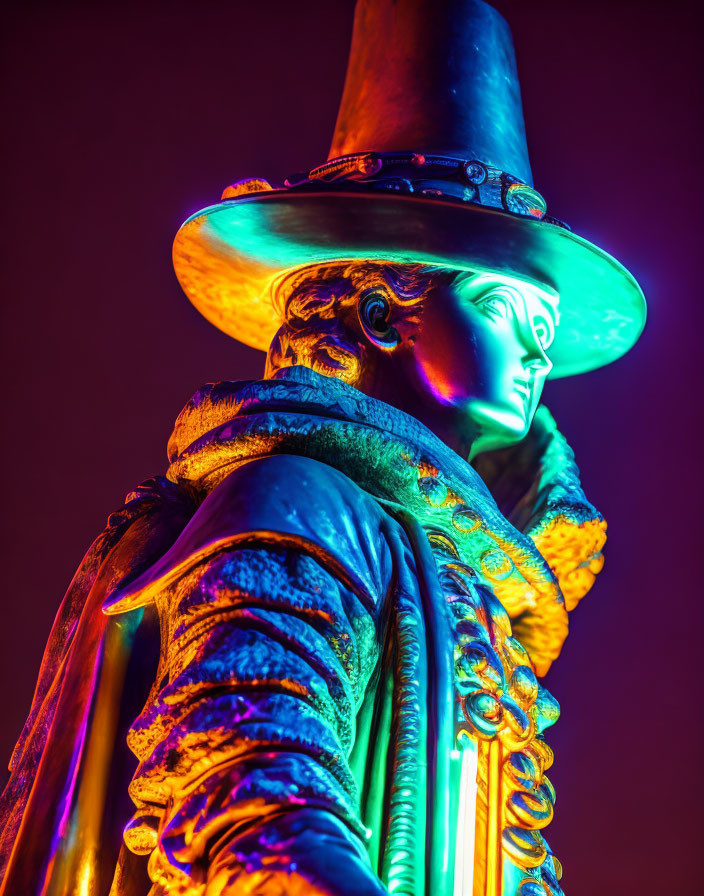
point(537, 487)
point(528, 499)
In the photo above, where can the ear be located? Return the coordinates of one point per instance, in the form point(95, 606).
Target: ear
point(374, 314)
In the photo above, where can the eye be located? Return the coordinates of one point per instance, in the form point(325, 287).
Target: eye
point(495, 305)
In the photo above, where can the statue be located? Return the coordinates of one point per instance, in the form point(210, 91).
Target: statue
point(321, 633)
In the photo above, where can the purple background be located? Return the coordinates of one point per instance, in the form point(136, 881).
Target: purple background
point(121, 120)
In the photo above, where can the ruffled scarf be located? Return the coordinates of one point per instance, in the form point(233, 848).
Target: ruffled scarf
point(520, 519)
point(519, 516)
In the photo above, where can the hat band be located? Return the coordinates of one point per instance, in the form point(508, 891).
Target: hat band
point(468, 180)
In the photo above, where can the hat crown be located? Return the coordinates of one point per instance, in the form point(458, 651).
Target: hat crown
point(432, 135)
point(433, 77)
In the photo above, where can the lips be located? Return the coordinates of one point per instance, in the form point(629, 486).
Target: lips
point(523, 388)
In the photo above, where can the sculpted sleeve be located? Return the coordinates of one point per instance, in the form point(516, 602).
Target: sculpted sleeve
point(271, 605)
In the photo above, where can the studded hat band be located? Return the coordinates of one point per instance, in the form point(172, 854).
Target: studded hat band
point(468, 180)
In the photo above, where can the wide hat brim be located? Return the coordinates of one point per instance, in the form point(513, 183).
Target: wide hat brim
point(228, 256)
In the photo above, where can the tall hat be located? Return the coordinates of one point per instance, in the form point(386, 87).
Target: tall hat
point(428, 164)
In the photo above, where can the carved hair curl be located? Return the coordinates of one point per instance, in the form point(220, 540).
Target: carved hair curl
point(310, 301)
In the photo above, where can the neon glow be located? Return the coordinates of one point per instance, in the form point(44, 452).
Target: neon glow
point(355, 570)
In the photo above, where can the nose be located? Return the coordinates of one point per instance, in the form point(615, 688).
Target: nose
point(536, 359)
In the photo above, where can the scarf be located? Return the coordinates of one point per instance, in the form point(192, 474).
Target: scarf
point(519, 516)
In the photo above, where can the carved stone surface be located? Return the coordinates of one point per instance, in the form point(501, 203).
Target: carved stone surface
point(288, 601)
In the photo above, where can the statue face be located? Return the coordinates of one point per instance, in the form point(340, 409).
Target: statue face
point(466, 353)
point(482, 350)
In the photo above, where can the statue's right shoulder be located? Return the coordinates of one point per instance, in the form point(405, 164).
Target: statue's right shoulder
point(285, 500)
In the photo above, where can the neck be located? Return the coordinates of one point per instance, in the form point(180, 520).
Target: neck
point(396, 386)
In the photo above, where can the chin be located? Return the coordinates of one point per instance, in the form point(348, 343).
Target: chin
point(495, 440)
point(500, 427)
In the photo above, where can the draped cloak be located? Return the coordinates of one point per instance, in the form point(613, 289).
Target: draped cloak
point(533, 540)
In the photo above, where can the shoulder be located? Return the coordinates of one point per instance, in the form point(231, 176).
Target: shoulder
point(278, 472)
point(306, 502)
point(287, 490)
point(295, 502)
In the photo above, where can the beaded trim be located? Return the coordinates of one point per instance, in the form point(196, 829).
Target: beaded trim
point(468, 180)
